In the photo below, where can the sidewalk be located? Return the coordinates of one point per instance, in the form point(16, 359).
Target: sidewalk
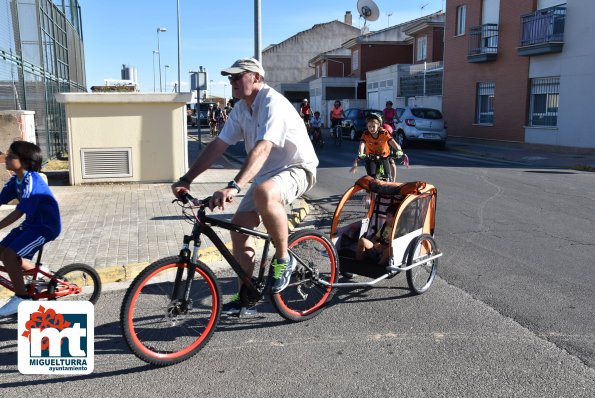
point(533, 155)
point(120, 228)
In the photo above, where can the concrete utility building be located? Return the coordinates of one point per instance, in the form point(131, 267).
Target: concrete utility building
point(41, 54)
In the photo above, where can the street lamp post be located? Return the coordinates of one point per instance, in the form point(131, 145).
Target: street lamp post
point(159, 55)
point(210, 88)
point(179, 56)
point(165, 75)
point(154, 87)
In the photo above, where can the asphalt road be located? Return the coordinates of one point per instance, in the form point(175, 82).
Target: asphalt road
point(510, 314)
point(519, 239)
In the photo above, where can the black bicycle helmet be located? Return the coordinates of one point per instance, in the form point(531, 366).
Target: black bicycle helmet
point(374, 116)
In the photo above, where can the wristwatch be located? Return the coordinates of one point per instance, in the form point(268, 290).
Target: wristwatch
point(234, 185)
point(185, 179)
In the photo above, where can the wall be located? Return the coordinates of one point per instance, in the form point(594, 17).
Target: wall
point(376, 56)
point(287, 62)
point(429, 101)
point(377, 97)
point(509, 73)
point(152, 125)
point(574, 65)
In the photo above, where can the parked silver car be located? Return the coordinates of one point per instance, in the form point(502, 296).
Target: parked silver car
point(421, 124)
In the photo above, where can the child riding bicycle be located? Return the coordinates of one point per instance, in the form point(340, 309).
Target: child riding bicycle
point(377, 141)
point(316, 125)
point(42, 223)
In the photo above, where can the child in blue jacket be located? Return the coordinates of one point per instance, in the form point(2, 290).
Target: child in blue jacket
point(42, 217)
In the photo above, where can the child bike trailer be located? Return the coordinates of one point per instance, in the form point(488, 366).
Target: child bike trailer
point(362, 211)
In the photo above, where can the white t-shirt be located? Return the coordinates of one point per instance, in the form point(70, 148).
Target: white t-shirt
point(272, 118)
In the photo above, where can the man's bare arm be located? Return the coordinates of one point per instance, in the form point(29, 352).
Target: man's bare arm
point(254, 162)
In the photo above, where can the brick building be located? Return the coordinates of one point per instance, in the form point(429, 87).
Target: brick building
point(520, 70)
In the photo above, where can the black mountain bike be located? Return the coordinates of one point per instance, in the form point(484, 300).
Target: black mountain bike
point(172, 307)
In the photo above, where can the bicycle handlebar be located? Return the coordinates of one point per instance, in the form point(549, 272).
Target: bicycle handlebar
point(372, 156)
point(185, 197)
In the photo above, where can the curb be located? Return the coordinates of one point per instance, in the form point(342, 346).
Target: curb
point(127, 272)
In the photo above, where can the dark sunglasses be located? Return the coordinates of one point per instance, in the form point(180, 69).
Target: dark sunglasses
point(236, 77)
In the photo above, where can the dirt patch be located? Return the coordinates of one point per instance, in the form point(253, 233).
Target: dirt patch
point(55, 165)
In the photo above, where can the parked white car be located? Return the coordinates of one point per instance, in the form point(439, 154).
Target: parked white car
point(421, 124)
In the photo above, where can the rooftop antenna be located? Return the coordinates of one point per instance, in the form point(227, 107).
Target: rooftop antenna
point(388, 14)
point(368, 10)
point(421, 9)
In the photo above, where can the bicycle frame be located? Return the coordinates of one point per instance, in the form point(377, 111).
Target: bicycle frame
point(203, 225)
point(65, 289)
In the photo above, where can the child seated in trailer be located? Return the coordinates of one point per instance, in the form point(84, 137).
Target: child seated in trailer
point(376, 248)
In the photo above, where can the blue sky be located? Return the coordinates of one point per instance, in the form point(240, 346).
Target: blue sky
point(213, 34)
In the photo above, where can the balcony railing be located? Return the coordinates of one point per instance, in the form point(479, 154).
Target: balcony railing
point(483, 43)
point(542, 32)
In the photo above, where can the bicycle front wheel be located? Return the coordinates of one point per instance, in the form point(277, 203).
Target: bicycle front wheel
point(75, 282)
point(159, 325)
point(317, 261)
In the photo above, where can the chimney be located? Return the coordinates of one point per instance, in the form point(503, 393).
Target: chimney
point(348, 18)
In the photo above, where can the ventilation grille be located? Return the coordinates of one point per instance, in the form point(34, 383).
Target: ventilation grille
point(106, 162)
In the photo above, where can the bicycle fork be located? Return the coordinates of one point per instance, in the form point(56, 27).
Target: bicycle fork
point(180, 297)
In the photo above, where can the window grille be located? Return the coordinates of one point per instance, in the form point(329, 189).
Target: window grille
point(545, 96)
point(485, 103)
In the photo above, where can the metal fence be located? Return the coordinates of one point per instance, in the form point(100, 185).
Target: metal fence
point(543, 26)
point(483, 39)
point(41, 54)
point(420, 79)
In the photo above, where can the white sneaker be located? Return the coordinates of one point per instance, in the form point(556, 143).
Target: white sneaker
point(12, 306)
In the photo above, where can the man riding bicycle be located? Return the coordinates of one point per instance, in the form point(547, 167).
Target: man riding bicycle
point(281, 162)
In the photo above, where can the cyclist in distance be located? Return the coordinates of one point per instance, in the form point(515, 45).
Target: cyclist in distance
point(389, 114)
point(306, 112)
point(42, 217)
point(281, 162)
point(316, 125)
point(377, 141)
point(337, 115)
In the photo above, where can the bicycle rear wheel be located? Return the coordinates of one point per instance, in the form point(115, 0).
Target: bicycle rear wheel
point(67, 280)
point(421, 277)
point(317, 260)
point(163, 330)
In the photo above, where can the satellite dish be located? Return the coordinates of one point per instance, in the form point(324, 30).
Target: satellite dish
point(368, 10)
